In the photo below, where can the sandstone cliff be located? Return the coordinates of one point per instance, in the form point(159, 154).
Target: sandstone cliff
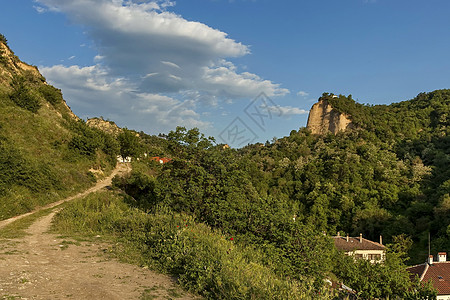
point(323, 118)
point(105, 126)
point(11, 66)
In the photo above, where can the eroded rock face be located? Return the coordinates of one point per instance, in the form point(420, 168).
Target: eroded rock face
point(323, 118)
point(11, 65)
point(106, 126)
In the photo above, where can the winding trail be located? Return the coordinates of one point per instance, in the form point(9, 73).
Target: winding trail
point(121, 168)
point(45, 266)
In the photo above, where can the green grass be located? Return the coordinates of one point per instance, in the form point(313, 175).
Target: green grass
point(17, 228)
point(39, 165)
point(148, 294)
point(10, 297)
point(204, 261)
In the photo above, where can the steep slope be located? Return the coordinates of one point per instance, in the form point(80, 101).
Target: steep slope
point(45, 150)
point(104, 125)
point(324, 118)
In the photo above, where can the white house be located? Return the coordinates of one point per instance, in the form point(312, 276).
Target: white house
point(361, 248)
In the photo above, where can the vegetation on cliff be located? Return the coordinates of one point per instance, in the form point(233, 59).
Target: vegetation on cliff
point(241, 223)
point(45, 151)
point(379, 179)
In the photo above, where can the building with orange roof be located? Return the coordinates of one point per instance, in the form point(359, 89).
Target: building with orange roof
point(438, 272)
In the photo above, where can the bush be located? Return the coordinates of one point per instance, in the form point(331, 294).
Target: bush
point(3, 39)
point(18, 170)
point(87, 141)
point(23, 96)
point(204, 261)
point(51, 94)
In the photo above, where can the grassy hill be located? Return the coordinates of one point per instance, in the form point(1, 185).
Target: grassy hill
point(46, 151)
point(250, 223)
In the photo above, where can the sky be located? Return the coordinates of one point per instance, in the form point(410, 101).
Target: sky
point(243, 71)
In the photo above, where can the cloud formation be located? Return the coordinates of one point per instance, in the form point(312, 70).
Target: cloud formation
point(287, 111)
point(302, 94)
point(92, 90)
point(159, 52)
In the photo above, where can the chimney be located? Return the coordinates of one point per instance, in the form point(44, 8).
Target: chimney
point(442, 256)
point(381, 240)
point(430, 259)
point(339, 234)
point(360, 237)
point(347, 237)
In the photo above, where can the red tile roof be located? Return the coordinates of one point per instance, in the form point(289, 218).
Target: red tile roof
point(438, 273)
point(416, 271)
point(162, 160)
point(354, 243)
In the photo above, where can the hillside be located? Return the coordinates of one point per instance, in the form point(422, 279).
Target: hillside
point(387, 175)
point(250, 223)
point(324, 118)
point(46, 151)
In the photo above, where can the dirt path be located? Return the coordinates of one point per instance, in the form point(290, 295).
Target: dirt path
point(43, 266)
point(120, 169)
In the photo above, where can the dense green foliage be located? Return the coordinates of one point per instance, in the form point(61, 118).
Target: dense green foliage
point(45, 154)
point(23, 95)
point(387, 177)
point(205, 261)
point(129, 144)
point(51, 94)
point(87, 141)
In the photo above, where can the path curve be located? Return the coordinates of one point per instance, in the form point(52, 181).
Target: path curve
point(42, 265)
point(121, 168)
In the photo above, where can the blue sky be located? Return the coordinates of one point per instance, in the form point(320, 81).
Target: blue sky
point(153, 65)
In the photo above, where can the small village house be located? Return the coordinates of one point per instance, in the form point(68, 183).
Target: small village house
point(361, 248)
point(438, 272)
point(161, 160)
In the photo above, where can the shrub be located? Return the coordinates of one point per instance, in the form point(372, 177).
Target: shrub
point(23, 96)
point(205, 261)
point(3, 39)
point(51, 94)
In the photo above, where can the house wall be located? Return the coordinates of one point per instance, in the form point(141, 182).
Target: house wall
point(443, 297)
point(365, 254)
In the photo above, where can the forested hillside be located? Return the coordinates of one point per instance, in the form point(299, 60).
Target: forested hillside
point(251, 223)
point(46, 152)
point(389, 176)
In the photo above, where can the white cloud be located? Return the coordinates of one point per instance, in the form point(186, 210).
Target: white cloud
point(170, 64)
point(94, 93)
point(136, 39)
point(98, 58)
point(287, 111)
point(303, 94)
point(40, 9)
point(222, 80)
point(151, 60)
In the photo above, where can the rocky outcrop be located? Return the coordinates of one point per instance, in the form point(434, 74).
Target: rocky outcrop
point(105, 126)
point(11, 65)
point(323, 118)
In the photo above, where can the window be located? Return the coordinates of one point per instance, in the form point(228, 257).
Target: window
point(374, 256)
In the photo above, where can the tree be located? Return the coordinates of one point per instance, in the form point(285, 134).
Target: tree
point(22, 95)
point(129, 144)
point(189, 141)
point(3, 39)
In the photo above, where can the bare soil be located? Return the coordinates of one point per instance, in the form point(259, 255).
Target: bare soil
point(44, 266)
